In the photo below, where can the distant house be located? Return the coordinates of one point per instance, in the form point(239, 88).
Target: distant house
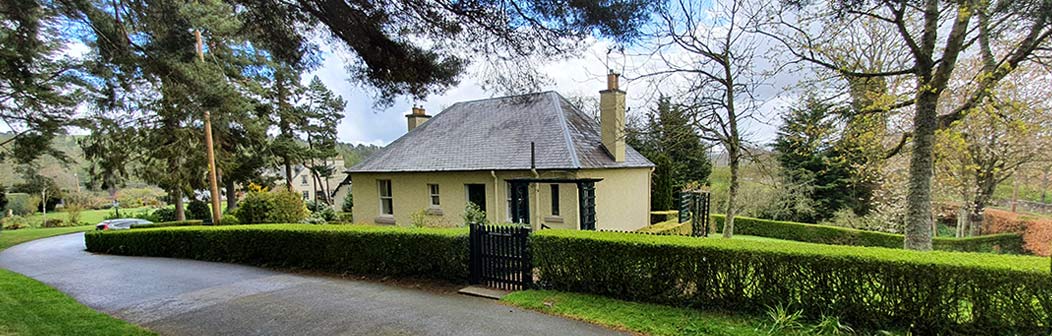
point(531, 158)
point(304, 183)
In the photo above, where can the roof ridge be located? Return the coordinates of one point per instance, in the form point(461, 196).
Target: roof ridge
point(506, 97)
point(554, 97)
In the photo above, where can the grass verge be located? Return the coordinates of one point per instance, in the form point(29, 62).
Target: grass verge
point(650, 319)
point(10, 238)
point(28, 307)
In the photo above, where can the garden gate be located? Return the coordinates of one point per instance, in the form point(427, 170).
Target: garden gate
point(694, 206)
point(500, 256)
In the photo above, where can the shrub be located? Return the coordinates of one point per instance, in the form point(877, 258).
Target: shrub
point(288, 207)
point(871, 288)
point(321, 210)
point(345, 217)
point(165, 214)
point(348, 203)
point(73, 213)
point(473, 214)
point(23, 204)
point(271, 207)
point(253, 209)
point(229, 219)
point(192, 222)
point(53, 223)
point(138, 197)
point(13, 223)
point(833, 235)
point(198, 209)
point(363, 250)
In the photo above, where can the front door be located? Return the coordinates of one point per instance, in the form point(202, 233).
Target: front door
point(477, 195)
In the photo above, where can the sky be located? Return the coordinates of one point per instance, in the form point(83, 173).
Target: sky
point(583, 75)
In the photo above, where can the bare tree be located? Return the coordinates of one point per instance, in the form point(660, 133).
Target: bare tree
point(710, 50)
point(936, 33)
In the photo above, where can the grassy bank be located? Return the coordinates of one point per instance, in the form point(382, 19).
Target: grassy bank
point(28, 307)
point(658, 320)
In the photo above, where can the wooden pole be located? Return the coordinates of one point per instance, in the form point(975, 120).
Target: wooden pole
point(212, 180)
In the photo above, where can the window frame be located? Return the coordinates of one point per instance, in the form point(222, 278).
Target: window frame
point(434, 195)
point(555, 199)
point(389, 198)
point(303, 180)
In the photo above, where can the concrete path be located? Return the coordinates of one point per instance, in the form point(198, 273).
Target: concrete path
point(187, 297)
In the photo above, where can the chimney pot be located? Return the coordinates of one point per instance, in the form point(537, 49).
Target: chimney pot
point(612, 81)
point(416, 117)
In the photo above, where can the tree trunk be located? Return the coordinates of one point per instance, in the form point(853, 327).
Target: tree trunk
point(1044, 187)
point(288, 173)
point(231, 194)
point(918, 197)
point(962, 220)
point(975, 220)
point(180, 211)
point(732, 193)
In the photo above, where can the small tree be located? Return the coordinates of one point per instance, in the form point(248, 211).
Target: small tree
point(473, 214)
point(348, 203)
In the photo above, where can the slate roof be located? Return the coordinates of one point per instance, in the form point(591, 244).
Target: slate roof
point(495, 134)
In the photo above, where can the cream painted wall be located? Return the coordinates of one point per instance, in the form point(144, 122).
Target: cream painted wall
point(411, 196)
point(622, 198)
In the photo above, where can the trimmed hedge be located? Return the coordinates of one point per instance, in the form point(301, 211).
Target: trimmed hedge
point(192, 222)
point(383, 251)
point(871, 288)
point(1009, 243)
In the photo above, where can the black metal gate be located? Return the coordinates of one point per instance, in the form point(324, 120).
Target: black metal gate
point(500, 256)
point(694, 206)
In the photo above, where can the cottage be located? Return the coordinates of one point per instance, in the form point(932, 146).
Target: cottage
point(532, 159)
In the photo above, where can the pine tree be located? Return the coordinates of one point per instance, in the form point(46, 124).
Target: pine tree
point(817, 175)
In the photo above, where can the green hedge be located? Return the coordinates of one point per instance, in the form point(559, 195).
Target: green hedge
point(871, 288)
point(384, 251)
point(1010, 243)
point(191, 222)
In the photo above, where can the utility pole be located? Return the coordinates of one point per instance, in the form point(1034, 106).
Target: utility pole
point(208, 143)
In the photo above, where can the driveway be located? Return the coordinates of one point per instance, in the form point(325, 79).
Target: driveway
point(187, 297)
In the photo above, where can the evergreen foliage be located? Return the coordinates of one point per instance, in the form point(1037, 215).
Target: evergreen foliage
point(818, 177)
point(669, 141)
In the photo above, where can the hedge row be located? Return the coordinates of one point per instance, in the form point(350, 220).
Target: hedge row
point(1009, 243)
point(872, 288)
point(192, 222)
point(383, 251)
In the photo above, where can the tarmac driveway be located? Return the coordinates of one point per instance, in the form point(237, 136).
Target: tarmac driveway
point(188, 297)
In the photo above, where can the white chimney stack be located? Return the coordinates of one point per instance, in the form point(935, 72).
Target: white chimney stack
point(612, 117)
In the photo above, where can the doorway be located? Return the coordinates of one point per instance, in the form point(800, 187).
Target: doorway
point(477, 195)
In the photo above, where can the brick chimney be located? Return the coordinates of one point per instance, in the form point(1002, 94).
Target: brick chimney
point(417, 118)
point(612, 117)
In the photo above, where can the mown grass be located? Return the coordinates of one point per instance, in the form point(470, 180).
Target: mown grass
point(28, 307)
point(10, 238)
point(657, 320)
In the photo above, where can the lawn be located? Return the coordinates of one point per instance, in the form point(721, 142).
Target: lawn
point(657, 320)
point(28, 307)
point(10, 238)
point(87, 216)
